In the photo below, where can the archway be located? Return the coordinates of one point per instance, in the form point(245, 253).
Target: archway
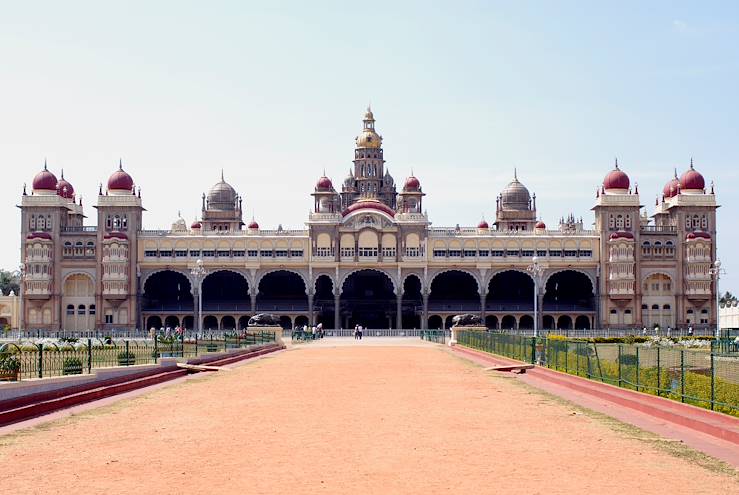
point(171, 321)
point(167, 291)
point(564, 322)
point(412, 302)
point(548, 322)
point(569, 290)
point(188, 322)
point(508, 322)
point(224, 290)
point(449, 321)
point(455, 291)
point(582, 322)
point(526, 321)
point(510, 290)
point(367, 299)
point(435, 322)
point(79, 294)
point(285, 322)
point(323, 301)
point(228, 323)
point(491, 321)
point(210, 322)
point(282, 290)
point(154, 322)
point(301, 321)
point(243, 322)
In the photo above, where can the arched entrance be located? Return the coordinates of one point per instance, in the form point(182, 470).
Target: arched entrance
point(323, 301)
point(412, 302)
point(435, 322)
point(167, 291)
point(79, 300)
point(582, 322)
point(285, 322)
point(491, 321)
point(301, 321)
point(154, 322)
point(454, 291)
point(188, 322)
point(569, 291)
point(210, 322)
point(526, 322)
point(228, 323)
point(171, 322)
point(281, 290)
point(243, 322)
point(367, 299)
point(548, 322)
point(510, 290)
point(226, 291)
point(564, 322)
point(508, 322)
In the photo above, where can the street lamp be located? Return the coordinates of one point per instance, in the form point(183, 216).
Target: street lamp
point(715, 271)
point(536, 270)
point(199, 273)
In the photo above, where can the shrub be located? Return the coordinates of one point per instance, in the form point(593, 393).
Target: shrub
point(72, 366)
point(9, 363)
point(126, 358)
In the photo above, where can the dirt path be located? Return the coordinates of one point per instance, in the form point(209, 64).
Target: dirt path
point(346, 420)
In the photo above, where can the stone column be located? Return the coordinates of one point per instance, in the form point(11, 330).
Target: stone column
point(399, 309)
point(253, 304)
point(425, 316)
point(337, 313)
point(482, 307)
point(310, 309)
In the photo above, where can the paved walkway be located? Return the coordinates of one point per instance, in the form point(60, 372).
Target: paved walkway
point(350, 419)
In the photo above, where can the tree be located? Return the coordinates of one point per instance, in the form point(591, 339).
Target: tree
point(9, 281)
point(727, 298)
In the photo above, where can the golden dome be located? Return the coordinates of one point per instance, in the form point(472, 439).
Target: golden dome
point(369, 139)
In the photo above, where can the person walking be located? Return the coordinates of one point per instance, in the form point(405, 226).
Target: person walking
point(644, 331)
point(356, 332)
point(690, 330)
point(360, 332)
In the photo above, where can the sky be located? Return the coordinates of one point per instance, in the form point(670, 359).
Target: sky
point(273, 93)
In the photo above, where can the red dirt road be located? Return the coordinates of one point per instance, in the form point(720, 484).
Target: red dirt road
point(347, 420)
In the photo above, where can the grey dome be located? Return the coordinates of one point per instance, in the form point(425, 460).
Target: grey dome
point(515, 196)
point(222, 196)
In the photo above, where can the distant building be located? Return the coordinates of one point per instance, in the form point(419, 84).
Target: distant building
point(9, 311)
point(369, 255)
point(729, 315)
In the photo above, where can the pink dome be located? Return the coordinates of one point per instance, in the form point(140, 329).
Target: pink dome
point(116, 235)
point(483, 225)
point(697, 235)
point(616, 179)
point(196, 225)
point(692, 180)
point(412, 184)
point(64, 188)
point(540, 225)
point(324, 183)
point(44, 181)
point(621, 234)
point(120, 180)
point(253, 224)
point(671, 188)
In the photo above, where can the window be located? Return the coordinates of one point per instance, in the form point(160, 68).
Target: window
point(321, 251)
point(627, 311)
point(92, 309)
point(527, 253)
point(655, 306)
point(666, 306)
point(281, 253)
point(497, 252)
point(470, 253)
point(223, 253)
point(555, 253)
point(613, 312)
point(180, 253)
point(510, 252)
point(390, 252)
point(455, 253)
point(150, 254)
point(81, 309)
point(368, 252)
point(252, 253)
point(296, 253)
point(33, 222)
point(541, 252)
point(439, 253)
point(586, 253)
point(265, 253)
point(570, 253)
point(165, 254)
point(238, 253)
point(208, 253)
point(194, 253)
point(70, 309)
point(483, 253)
point(109, 318)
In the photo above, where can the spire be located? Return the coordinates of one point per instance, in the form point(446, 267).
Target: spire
point(45, 164)
point(515, 174)
point(676, 172)
point(62, 173)
point(616, 158)
point(222, 179)
point(691, 163)
point(120, 164)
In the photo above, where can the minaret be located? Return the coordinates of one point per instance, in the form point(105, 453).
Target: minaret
point(370, 180)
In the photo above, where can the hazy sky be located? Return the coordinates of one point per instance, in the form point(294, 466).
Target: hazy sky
point(463, 92)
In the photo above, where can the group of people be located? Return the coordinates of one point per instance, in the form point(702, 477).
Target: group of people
point(311, 332)
point(669, 331)
point(358, 329)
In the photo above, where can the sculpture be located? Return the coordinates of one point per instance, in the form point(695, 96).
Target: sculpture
point(467, 320)
point(264, 319)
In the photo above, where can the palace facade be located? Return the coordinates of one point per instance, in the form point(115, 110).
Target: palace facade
point(368, 255)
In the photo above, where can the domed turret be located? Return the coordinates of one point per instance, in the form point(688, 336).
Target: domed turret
point(222, 196)
point(253, 225)
point(45, 181)
point(515, 196)
point(324, 183)
point(412, 184)
point(64, 188)
point(349, 180)
point(196, 225)
point(672, 187)
point(120, 181)
point(483, 225)
point(692, 182)
point(540, 225)
point(369, 138)
point(616, 181)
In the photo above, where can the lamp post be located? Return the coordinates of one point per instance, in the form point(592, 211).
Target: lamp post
point(199, 273)
point(536, 271)
point(715, 270)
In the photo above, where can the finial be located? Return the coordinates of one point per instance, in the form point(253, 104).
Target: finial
point(412, 172)
point(120, 164)
point(24, 189)
point(616, 159)
point(62, 173)
point(324, 171)
point(515, 174)
point(712, 187)
point(45, 164)
point(369, 106)
point(100, 192)
point(636, 188)
point(222, 179)
point(179, 213)
point(80, 200)
point(691, 163)
point(676, 172)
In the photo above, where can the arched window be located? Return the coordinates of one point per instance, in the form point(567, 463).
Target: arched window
point(70, 309)
point(92, 309)
point(81, 309)
point(655, 306)
point(117, 222)
point(40, 223)
point(33, 222)
point(666, 306)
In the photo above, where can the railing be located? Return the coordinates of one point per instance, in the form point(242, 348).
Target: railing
point(699, 377)
point(658, 228)
point(436, 336)
point(80, 228)
point(25, 360)
point(466, 231)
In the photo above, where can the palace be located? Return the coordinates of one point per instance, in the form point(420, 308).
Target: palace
point(368, 255)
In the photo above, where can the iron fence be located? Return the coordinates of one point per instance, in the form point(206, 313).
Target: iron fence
point(704, 378)
point(25, 360)
point(437, 336)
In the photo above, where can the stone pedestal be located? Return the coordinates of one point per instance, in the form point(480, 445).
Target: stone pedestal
point(454, 329)
point(277, 329)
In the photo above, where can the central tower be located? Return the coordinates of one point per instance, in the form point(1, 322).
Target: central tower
point(368, 178)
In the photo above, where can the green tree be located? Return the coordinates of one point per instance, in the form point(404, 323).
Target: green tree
point(9, 281)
